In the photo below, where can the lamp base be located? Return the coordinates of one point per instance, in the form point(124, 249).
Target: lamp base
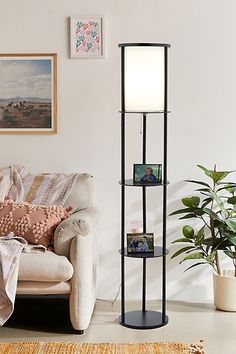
point(143, 320)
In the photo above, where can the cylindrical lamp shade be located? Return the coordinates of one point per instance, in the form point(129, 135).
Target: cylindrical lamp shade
point(144, 77)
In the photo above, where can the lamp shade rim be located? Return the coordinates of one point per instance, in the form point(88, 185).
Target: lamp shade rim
point(144, 45)
point(145, 112)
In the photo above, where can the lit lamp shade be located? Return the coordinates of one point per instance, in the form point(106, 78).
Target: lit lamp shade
point(144, 78)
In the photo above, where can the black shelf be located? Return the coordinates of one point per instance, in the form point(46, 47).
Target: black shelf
point(158, 252)
point(131, 183)
point(144, 319)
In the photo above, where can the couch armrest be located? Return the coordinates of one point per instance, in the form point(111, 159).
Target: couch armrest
point(83, 256)
point(81, 222)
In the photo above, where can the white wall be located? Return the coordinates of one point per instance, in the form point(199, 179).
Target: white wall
point(202, 101)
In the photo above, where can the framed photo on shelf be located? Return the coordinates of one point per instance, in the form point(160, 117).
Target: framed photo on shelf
point(28, 93)
point(147, 174)
point(140, 243)
point(87, 37)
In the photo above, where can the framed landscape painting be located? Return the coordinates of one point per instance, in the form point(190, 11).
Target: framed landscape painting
point(86, 37)
point(28, 93)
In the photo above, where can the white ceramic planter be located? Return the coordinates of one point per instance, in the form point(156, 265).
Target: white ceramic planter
point(225, 291)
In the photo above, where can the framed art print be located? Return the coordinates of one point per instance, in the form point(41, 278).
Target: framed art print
point(28, 93)
point(86, 37)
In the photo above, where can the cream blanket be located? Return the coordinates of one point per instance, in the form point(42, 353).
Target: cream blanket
point(18, 184)
point(10, 250)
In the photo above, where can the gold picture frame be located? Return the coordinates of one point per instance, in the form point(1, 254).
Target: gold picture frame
point(28, 93)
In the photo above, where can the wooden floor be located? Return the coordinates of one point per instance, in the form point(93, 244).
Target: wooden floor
point(45, 319)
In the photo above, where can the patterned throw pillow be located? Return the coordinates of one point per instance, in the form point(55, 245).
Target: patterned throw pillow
point(36, 223)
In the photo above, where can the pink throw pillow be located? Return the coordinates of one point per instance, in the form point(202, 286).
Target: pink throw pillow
point(35, 223)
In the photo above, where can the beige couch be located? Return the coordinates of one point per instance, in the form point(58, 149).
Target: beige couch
point(72, 269)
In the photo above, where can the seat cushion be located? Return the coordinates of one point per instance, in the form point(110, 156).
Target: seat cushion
point(45, 267)
point(43, 288)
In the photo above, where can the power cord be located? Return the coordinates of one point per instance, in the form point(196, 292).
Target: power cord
point(118, 291)
point(112, 301)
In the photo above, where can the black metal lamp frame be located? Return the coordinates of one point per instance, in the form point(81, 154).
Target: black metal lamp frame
point(143, 319)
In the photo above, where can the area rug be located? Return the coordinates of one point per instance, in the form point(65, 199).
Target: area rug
point(100, 348)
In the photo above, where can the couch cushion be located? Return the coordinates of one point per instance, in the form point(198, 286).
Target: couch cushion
point(81, 195)
point(36, 223)
point(45, 267)
point(43, 288)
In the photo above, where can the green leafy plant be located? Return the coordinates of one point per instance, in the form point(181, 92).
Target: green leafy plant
point(215, 209)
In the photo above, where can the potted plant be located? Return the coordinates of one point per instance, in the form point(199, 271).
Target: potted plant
point(215, 209)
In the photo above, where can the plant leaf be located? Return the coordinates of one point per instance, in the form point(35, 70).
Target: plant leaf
point(182, 240)
point(199, 211)
point(196, 255)
point(230, 254)
point(232, 200)
point(224, 245)
point(182, 250)
point(232, 240)
point(191, 202)
point(188, 216)
point(207, 172)
point(207, 241)
point(188, 231)
point(211, 213)
point(231, 223)
point(198, 182)
point(220, 175)
point(200, 236)
point(210, 258)
point(203, 190)
point(220, 204)
point(226, 232)
point(194, 265)
point(181, 211)
point(228, 187)
point(206, 202)
point(216, 176)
